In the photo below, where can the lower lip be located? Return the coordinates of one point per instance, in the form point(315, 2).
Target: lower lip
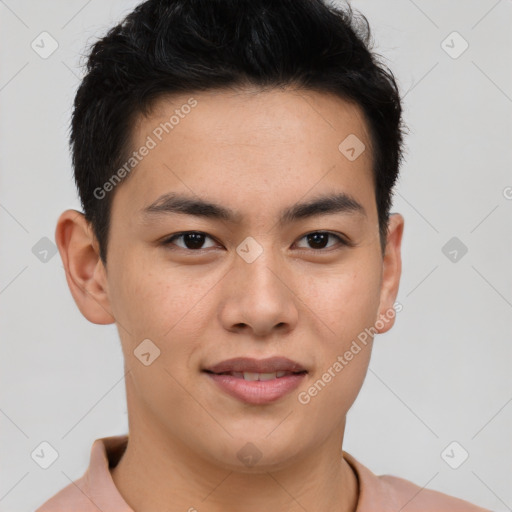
point(257, 392)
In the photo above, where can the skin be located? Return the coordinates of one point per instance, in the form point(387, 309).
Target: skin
point(256, 152)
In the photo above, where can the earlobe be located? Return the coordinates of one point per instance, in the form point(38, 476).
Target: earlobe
point(391, 272)
point(85, 273)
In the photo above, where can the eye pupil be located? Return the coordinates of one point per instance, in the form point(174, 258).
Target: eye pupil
point(318, 239)
point(193, 240)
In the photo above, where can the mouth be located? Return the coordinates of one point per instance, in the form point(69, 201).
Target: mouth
point(257, 382)
point(247, 365)
point(254, 376)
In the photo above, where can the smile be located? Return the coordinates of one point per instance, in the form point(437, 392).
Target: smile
point(257, 388)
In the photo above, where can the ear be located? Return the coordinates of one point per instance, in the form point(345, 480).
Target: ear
point(391, 272)
point(85, 272)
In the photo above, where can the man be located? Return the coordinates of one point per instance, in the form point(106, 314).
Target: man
point(235, 162)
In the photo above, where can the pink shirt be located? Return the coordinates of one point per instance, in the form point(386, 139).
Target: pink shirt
point(95, 490)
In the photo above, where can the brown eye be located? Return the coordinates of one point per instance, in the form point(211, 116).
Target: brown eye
point(318, 240)
point(191, 240)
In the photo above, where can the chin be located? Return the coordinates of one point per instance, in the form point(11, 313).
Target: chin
point(255, 454)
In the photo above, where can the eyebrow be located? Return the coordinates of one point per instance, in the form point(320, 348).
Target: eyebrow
point(174, 203)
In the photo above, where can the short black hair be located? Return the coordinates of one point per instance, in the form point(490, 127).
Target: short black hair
point(166, 47)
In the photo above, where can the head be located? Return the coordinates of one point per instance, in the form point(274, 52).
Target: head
point(278, 128)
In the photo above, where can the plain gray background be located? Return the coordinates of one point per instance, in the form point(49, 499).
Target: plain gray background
point(442, 374)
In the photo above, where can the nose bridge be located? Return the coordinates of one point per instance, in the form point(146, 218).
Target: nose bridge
point(259, 298)
point(257, 267)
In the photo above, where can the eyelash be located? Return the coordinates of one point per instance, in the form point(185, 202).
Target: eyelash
point(169, 241)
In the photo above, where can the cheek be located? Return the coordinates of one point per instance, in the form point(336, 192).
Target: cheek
point(143, 296)
point(345, 300)
point(165, 306)
point(143, 302)
point(346, 308)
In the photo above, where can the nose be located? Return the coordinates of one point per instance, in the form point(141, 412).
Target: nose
point(259, 297)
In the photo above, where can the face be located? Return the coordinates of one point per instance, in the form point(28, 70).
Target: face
point(204, 288)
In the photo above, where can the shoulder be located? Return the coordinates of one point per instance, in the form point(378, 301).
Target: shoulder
point(95, 490)
point(414, 498)
point(68, 498)
point(388, 493)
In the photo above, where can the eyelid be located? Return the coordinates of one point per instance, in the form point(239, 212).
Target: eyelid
point(342, 240)
point(168, 239)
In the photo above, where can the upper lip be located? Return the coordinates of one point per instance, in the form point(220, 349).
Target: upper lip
point(247, 364)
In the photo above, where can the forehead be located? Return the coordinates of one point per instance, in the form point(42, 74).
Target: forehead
point(254, 117)
point(241, 146)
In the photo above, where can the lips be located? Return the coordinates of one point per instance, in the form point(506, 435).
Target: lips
point(250, 368)
point(257, 381)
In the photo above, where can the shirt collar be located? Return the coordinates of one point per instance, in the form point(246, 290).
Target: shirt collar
point(105, 453)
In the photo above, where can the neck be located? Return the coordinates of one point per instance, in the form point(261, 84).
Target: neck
point(157, 473)
point(160, 472)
